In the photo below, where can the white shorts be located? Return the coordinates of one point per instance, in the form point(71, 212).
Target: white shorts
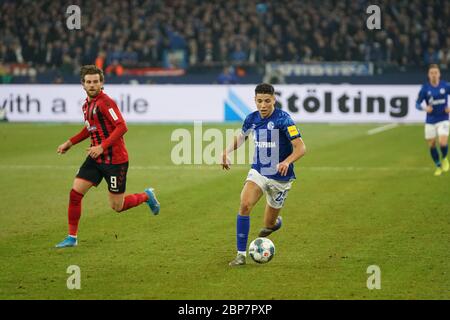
point(276, 191)
point(434, 130)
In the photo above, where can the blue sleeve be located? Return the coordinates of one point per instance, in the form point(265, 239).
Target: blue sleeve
point(288, 128)
point(447, 88)
point(420, 98)
point(246, 126)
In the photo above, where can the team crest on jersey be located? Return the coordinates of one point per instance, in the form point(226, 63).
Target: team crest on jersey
point(270, 125)
point(429, 93)
point(442, 91)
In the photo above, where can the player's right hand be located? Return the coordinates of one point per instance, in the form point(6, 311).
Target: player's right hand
point(225, 162)
point(429, 109)
point(64, 147)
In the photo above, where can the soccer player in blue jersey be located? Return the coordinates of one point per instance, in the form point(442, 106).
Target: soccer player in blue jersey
point(278, 144)
point(434, 93)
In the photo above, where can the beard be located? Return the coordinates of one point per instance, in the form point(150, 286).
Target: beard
point(93, 93)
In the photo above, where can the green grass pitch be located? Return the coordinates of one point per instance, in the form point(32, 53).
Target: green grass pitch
point(358, 200)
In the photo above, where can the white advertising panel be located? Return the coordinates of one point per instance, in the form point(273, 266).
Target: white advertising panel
point(216, 103)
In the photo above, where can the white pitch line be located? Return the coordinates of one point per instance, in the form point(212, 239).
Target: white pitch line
point(382, 129)
point(212, 167)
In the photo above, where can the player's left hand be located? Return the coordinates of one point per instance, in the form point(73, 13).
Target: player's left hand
point(225, 161)
point(283, 167)
point(95, 152)
point(447, 110)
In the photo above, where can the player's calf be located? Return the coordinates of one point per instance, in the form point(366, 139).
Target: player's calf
point(116, 201)
point(119, 203)
point(117, 207)
point(265, 232)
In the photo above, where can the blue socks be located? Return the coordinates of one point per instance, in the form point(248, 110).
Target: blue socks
point(444, 151)
point(435, 156)
point(242, 229)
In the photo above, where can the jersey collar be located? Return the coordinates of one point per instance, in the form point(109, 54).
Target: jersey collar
point(437, 86)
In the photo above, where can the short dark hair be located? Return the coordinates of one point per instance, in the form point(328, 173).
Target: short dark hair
point(433, 66)
point(91, 69)
point(264, 88)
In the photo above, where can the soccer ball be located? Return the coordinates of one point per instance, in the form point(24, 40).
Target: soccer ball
point(261, 250)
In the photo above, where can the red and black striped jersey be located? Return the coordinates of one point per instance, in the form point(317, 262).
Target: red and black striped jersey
point(102, 117)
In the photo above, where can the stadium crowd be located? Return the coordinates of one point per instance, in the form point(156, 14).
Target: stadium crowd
point(138, 33)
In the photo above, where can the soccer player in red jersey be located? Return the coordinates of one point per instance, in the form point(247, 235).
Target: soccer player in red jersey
point(107, 155)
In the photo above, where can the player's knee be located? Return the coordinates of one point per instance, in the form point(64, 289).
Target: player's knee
point(245, 207)
point(75, 197)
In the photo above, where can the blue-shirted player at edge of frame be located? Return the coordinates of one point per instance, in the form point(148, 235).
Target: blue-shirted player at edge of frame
point(434, 93)
point(278, 144)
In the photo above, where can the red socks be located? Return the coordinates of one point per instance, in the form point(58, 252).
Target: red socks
point(133, 200)
point(130, 201)
point(74, 211)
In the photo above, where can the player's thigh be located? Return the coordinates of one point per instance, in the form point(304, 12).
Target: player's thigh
point(250, 195)
point(88, 175)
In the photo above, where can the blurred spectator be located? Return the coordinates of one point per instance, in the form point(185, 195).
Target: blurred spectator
point(59, 79)
point(227, 76)
point(238, 55)
point(67, 65)
point(115, 69)
point(100, 60)
point(431, 56)
point(274, 77)
point(5, 76)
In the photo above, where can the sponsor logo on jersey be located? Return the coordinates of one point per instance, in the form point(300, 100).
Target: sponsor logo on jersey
point(264, 144)
point(439, 101)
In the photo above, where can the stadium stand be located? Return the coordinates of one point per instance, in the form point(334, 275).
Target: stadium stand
point(154, 35)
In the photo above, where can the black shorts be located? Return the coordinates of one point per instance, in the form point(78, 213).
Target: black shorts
point(114, 174)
